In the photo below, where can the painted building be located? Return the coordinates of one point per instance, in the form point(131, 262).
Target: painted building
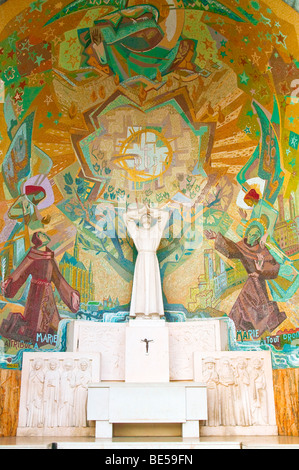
point(77, 275)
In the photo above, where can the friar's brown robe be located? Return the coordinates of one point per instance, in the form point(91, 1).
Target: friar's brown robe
point(40, 314)
point(253, 310)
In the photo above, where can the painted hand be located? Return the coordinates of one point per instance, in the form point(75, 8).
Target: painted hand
point(210, 234)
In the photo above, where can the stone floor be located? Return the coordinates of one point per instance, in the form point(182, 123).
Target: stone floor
point(172, 443)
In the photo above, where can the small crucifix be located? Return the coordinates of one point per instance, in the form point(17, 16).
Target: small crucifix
point(146, 341)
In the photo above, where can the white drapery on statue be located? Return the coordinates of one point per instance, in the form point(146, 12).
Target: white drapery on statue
point(146, 300)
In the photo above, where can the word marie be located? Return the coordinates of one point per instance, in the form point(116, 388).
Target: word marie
point(46, 338)
point(247, 335)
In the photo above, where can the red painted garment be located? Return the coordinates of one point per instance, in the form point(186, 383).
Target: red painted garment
point(40, 314)
point(253, 309)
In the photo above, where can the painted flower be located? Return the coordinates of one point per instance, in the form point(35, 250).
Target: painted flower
point(9, 73)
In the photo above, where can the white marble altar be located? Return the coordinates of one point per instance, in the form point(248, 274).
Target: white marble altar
point(147, 371)
point(173, 402)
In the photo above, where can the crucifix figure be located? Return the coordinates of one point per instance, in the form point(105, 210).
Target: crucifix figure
point(146, 341)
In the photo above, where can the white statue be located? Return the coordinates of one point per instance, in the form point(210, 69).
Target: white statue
point(146, 300)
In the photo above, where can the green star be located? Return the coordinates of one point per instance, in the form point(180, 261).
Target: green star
point(292, 162)
point(39, 59)
point(246, 39)
point(37, 5)
point(244, 78)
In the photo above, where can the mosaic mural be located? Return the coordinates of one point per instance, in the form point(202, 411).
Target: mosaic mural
point(189, 106)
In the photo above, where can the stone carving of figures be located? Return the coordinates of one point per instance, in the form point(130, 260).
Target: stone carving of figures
point(211, 378)
point(227, 394)
point(34, 403)
point(83, 378)
point(243, 394)
point(67, 386)
point(51, 394)
point(259, 394)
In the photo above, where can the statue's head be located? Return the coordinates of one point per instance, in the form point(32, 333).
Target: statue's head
point(146, 220)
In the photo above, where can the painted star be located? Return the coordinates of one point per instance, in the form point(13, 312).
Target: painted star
point(39, 59)
point(291, 119)
point(38, 5)
point(17, 97)
point(244, 78)
point(25, 45)
point(255, 58)
point(292, 162)
point(280, 38)
point(48, 100)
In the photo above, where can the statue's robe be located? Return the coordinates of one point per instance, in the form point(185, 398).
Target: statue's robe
point(253, 310)
point(40, 314)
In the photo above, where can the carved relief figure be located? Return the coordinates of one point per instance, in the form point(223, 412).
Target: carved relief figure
point(146, 300)
point(237, 391)
point(227, 394)
point(259, 396)
point(34, 403)
point(56, 394)
point(83, 378)
point(67, 384)
point(243, 393)
point(211, 378)
point(51, 395)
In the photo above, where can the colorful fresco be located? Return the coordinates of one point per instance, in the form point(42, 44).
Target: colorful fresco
point(189, 106)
